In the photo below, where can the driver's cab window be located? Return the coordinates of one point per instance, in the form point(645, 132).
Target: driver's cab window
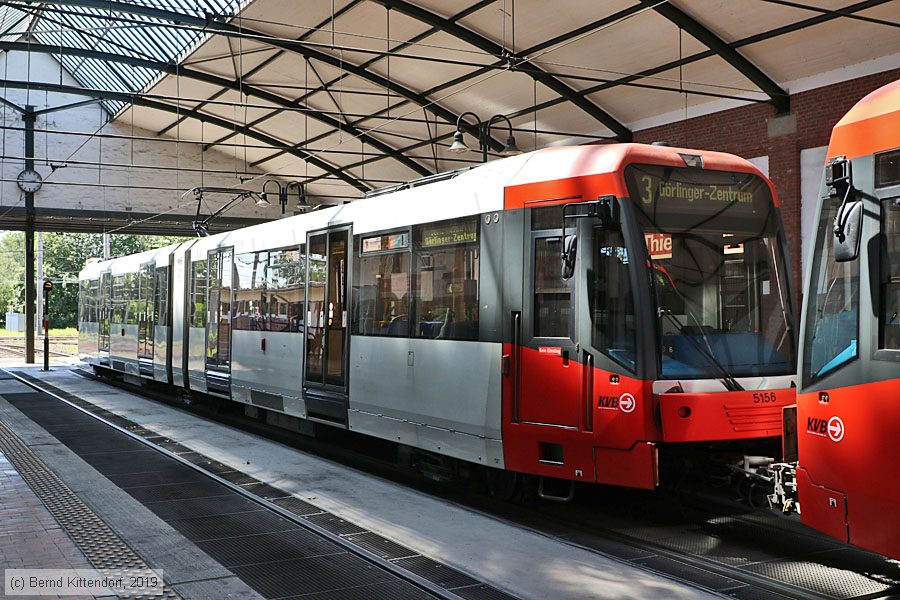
point(832, 322)
point(612, 298)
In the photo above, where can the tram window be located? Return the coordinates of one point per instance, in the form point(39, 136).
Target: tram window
point(82, 299)
point(445, 281)
point(118, 300)
point(161, 296)
point(381, 288)
point(551, 292)
point(249, 312)
point(284, 290)
point(890, 281)
point(548, 217)
point(132, 299)
point(199, 283)
point(887, 169)
point(611, 298)
point(832, 324)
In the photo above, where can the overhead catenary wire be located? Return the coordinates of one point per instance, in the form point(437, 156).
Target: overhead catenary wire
point(520, 61)
point(323, 150)
point(478, 81)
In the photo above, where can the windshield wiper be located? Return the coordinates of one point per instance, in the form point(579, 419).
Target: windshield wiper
point(731, 384)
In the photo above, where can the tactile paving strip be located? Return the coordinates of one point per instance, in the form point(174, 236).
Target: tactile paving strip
point(100, 544)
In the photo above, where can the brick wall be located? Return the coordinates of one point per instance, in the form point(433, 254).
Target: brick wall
point(755, 130)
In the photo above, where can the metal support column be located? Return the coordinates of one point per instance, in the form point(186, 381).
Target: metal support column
point(30, 292)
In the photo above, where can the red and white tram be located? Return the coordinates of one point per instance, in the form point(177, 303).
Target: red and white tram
point(847, 415)
point(569, 313)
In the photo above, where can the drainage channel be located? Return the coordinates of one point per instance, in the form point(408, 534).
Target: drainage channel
point(278, 544)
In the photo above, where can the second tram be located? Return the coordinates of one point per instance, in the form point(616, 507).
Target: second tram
point(847, 416)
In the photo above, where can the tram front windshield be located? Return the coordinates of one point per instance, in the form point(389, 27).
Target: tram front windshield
point(716, 272)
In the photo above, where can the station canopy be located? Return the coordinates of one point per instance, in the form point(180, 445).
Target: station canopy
point(347, 96)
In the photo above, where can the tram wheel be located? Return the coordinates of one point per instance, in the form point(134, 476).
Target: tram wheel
point(502, 485)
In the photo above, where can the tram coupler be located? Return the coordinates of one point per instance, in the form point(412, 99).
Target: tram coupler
point(777, 479)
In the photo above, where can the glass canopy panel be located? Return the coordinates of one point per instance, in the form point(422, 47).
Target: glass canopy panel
point(13, 23)
point(119, 33)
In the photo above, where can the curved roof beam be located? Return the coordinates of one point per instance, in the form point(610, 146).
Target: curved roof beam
point(479, 41)
point(779, 97)
point(139, 100)
point(173, 69)
point(298, 47)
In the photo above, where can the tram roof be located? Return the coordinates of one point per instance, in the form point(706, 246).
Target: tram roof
point(872, 125)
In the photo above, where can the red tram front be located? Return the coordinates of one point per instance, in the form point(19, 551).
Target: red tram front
point(848, 415)
point(655, 311)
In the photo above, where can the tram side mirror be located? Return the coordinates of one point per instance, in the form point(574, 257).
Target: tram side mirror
point(848, 221)
point(570, 246)
point(847, 225)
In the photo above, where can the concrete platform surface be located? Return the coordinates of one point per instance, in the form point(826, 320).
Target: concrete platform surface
point(523, 562)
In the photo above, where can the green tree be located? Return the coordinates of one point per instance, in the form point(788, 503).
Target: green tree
point(12, 273)
point(65, 254)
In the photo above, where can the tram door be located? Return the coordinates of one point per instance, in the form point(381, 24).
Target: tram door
point(145, 319)
point(103, 301)
point(550, 372)
point(218, 322)
point(327, 339)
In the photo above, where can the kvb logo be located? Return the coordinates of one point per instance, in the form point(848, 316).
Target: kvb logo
point(627, 403)
point(833, 428)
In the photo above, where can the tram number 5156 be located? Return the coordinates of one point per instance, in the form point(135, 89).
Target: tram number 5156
point(764, 397)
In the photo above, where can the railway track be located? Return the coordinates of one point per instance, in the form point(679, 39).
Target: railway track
point(15, 345)
point(706, 540)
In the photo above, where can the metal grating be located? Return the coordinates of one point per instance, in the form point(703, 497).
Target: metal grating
point(443, 575)
point(115, 463)
point(238, 477)
point(318, 574)
point(175, 491)
point(754, 593)
point(232, 525)
point(297, 506)
point(202, 507)
point(717, 549)
point(267, 547)
point(685, 572)
point(131, 480)
point(381, 546)
point(392, 590)
point(334, 524)
point(100, 544)
point(829, 581)
point(482, 592)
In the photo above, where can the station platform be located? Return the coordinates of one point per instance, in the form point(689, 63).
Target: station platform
point(223, 513)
